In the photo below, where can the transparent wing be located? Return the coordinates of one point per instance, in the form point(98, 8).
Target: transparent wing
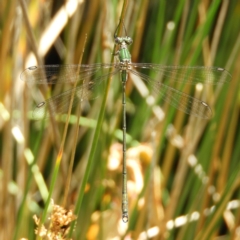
point(52, 74)
point(60, 103)
point(177, 99)
point(89, 77)
point(186, 74)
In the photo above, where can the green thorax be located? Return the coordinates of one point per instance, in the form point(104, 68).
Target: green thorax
point(124, 55)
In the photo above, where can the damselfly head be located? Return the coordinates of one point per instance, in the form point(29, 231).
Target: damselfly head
point(128, 40)
point(123, 40)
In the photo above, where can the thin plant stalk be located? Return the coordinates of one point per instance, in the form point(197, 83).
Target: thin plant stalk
point(59, 158)
point(95, 137)
point(230, 187)
point(39, 60)
point(76, 135)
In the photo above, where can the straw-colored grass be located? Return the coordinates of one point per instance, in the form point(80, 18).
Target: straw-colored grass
point(63, 178)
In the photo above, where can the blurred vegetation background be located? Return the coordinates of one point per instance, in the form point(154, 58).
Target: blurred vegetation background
point(183, 172)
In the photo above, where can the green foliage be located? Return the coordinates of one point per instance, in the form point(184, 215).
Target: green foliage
point(183, 172)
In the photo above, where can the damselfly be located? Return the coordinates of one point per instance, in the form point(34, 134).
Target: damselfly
point(91, 76)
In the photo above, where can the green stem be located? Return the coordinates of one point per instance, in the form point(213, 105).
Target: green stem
point(95, 138)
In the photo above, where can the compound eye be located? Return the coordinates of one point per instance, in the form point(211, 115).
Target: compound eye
point(129, 40)
point(118, 40)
